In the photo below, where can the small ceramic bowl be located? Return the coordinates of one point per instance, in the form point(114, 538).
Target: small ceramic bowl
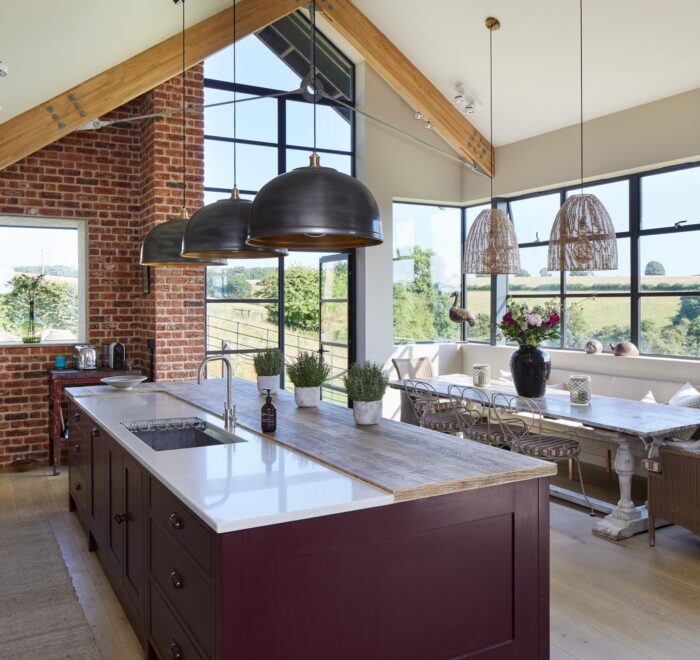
point(123, 382)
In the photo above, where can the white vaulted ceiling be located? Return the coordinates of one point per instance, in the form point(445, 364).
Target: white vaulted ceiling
point(635, 51)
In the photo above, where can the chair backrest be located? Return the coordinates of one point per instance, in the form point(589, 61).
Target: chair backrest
point(422, 397)
point(471, 405)
point(518, 416)
point(413, 368)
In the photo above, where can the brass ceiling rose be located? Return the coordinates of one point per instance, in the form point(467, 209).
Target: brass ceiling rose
point(492, 23)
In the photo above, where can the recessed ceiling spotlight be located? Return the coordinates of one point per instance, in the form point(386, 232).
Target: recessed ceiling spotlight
point(428, 125)
point(469, 108)
point(419, 115)
point(3, 69)
point(459, 99)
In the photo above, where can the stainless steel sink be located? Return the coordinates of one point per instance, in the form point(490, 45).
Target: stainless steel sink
point(179, 433)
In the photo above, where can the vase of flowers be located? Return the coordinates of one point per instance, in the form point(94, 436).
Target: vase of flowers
point(530, 365)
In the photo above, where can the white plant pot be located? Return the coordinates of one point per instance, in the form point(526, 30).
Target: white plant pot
point(307, 397)
point(367, 413)
point(271, 383)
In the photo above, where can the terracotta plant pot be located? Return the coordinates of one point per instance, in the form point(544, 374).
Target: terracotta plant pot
point(307, 397)
point(367, 413)
point(271, 383)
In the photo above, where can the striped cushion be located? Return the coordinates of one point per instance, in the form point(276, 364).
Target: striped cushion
point(651, 465)
point(446, 421)
point(439, 406)
point(547, 446)
point(486, 433)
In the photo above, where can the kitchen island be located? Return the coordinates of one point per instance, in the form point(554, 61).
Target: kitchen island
point(323, 540)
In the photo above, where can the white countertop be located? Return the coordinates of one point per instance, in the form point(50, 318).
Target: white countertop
point(234, 486)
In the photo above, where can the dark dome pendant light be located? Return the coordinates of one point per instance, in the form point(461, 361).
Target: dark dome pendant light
point(162, 245)
point(220, 229)
point(315, 206)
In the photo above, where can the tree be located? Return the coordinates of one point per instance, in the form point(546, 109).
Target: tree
point(654, 268)
point(545, 273)
point(523, 273)
point(301, 298)
point(689, 309)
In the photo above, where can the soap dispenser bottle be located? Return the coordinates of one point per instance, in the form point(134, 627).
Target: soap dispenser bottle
point(268, 415)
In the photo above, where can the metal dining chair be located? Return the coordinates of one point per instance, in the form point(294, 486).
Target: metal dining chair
point(520, 419)
point(472, 406)
point(428, 408)
point(417, 368)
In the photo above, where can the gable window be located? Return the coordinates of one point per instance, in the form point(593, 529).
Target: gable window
point(43, 259)
point(302, 303)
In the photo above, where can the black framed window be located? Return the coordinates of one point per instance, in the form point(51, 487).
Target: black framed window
point(303, 302)
point(653, 298)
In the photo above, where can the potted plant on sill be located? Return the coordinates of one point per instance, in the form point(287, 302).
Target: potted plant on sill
point(268, 366)
point(529, 327)
point(366, 383)
point(308, 372)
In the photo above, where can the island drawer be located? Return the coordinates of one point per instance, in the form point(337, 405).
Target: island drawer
point(182, 524)
point(79, 487)
point(78, 420)
point(184, 585)
point(79, 450)
point(167, 636)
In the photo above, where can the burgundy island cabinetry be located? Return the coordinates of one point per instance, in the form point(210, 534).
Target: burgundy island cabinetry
point(328, 541)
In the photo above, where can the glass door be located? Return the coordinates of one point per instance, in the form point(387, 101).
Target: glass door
point(334, 322)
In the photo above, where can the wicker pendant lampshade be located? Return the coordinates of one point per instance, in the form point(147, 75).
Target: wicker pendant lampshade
point(492, 246)
point(583, 236)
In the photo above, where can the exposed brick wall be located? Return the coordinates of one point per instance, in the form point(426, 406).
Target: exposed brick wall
point(123, 180)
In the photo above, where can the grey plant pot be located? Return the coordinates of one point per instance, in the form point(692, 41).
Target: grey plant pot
point(307, 397)
point(271, 383)
point(367, 413)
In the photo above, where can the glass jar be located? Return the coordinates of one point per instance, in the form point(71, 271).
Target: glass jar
point(580, 390)
point(32, 327)
point(481, 375)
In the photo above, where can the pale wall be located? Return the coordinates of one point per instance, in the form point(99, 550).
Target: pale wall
point(661, 133)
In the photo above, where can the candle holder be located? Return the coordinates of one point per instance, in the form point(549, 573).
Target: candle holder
point(481, 375)
point(580, 390)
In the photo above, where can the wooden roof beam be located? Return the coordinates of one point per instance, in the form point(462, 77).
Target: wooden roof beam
point(44, 124)
point(403, 76)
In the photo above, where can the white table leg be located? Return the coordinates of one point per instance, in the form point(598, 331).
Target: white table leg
point(625, 520)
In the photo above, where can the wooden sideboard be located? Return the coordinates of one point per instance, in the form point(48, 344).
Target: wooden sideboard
point(60, 379)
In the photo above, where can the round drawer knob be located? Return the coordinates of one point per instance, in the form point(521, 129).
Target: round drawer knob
point(95, 433)
point(175, 521)
point(76, 449)
point(76, 417)
point(176, 579)
point(119, 518)
point(77, 486)
point(175, 651)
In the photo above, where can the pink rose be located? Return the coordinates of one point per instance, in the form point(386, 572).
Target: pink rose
point(524, 326)
point(534, 320)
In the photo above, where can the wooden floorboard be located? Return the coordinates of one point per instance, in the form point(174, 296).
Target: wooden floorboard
point(609, 600)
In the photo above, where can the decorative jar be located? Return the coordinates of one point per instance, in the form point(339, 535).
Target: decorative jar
point(530, 366)
point(481, 375)
point(580, 390)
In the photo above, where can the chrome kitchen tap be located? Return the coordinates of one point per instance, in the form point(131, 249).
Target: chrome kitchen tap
point(229, 410)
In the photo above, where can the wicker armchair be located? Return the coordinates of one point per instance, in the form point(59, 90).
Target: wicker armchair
point(428, 408)
point(674, 489)
point(520, 419)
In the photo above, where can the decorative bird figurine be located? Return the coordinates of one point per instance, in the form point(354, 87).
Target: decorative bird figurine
point(459, 314)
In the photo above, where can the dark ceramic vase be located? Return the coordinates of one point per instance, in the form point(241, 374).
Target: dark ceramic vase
point(530, 367)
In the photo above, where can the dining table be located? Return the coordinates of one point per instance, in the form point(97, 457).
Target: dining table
point(623, 422)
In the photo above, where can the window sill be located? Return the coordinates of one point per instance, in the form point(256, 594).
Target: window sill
point(41, 344)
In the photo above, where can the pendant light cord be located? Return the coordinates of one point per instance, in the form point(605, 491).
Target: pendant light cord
point(491, 107)
point(580, 23)
point(235, 105)
point(184, 116)
point(313, 61)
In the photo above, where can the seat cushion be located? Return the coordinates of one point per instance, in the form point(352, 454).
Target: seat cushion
point(548, 446)
point(444, 421)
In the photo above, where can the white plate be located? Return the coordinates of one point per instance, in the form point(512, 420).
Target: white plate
point(123, 382)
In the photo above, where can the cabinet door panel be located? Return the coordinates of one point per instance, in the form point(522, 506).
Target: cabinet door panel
point(115, 478)
point(134, 541)
point(100, 487)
